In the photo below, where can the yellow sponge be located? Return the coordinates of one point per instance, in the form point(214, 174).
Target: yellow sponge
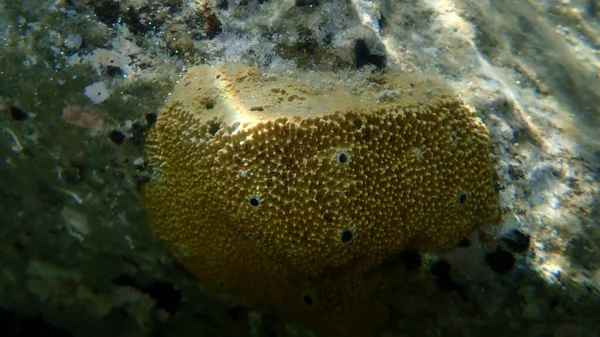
point(288, 189)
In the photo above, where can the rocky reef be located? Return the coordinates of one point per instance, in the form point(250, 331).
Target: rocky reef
point(85, 87)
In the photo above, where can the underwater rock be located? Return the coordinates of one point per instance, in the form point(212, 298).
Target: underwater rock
point(290, 189)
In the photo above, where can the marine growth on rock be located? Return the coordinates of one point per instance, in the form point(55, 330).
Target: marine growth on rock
point(290, 189)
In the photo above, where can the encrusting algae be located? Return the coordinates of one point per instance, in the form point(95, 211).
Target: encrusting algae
point(290, 189)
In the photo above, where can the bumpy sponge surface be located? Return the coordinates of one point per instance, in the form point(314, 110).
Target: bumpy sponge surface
point(290, 189)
